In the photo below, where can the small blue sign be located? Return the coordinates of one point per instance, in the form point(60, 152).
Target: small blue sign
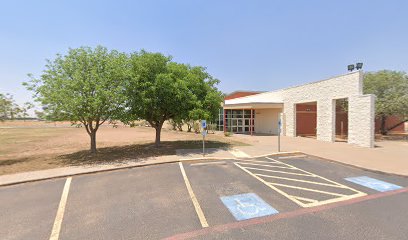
point(247, 206)
point(373, 183)
point(203, 123)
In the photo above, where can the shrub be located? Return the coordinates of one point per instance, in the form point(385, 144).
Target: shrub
point(196, 127)
point(228, 134)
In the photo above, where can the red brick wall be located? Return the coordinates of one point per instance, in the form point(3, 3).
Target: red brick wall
point(391, 121)
point(239, 94)
point(306, 120)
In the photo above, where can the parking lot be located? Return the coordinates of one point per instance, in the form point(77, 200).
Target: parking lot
point(286, 197)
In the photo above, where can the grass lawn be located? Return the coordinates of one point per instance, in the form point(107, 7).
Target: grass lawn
point(25, 148)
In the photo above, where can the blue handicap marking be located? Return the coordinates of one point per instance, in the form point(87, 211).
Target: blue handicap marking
point(373, 183)
point(248, 205)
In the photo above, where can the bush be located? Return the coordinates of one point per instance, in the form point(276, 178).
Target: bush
point(228, 134)
point(196, 127)
point(173, 124)
point(212, 127)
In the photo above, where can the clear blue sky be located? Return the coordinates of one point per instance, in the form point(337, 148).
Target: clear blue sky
point(248, 45)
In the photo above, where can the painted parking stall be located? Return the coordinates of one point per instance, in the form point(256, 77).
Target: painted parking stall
point(247, 206)
point(197, 198)
point(373, 183)
point(302, 187)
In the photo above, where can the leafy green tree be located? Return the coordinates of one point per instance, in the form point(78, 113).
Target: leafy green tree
point(24, 110)
point(160, 89)
point(5, 105)
point(85, 86)
point(40, 114)
point(391, 89)
point(9, 109)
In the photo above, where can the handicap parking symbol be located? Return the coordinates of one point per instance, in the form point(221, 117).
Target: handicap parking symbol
point(373, 183)
point(247, 206)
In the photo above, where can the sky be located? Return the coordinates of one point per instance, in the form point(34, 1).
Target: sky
point(248, 45)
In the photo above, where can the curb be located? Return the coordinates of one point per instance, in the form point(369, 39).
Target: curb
point(356, 166)
point(140, 165)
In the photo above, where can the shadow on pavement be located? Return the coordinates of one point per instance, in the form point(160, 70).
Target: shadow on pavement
point(137, 152)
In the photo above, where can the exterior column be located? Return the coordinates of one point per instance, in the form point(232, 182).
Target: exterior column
point(326, 120)
point(250, 123)
point(243, 121)
point(224, 121)
point(361, 120)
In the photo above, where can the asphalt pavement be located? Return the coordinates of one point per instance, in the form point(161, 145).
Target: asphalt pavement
point(292, 197)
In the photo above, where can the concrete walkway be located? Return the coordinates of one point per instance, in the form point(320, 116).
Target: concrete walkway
point(387, 156)
point(182, 154)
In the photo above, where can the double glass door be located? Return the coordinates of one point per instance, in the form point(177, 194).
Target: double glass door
point(239, 121)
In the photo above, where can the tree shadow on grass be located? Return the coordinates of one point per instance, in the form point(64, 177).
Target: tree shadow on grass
point(136, 152)
point(10, 162)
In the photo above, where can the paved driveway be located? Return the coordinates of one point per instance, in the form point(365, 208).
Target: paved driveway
point(295, 197)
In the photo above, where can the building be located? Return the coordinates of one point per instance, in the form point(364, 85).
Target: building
point(324, 109)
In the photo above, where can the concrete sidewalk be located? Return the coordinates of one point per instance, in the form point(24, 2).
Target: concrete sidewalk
point(387, 156)
point(182, 154)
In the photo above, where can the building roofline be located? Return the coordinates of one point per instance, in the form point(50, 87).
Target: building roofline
point(238, 91)
point(277, 90)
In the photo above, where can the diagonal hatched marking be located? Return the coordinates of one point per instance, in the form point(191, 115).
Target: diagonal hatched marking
point(300, 180)
point(263, 165)
point(305, 199)
point(307, 189)
point(290, 173)
point(256, 161)
point(300, 200)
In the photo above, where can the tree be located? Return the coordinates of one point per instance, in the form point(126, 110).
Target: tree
point(9, 109)
point(208, 102)
point(391, 89)
point(85, 86)
point(160, 89)
point(5, 105)
point(26, 107)
point(40, 115)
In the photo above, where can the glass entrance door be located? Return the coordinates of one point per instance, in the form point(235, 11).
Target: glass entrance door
point(239, 121)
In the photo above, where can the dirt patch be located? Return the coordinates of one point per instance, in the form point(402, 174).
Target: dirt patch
point(33, 147)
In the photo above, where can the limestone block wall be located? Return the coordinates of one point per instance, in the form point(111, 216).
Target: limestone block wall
point(361, 107)
point(361, 120)
point(324, 93)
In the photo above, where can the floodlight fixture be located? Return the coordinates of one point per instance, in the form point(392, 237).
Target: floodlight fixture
point(350, 67)
point(359, 66)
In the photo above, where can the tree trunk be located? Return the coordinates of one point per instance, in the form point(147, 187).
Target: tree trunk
point(158, 132)
point(157, 140)
point(383, 128)
point(93, 141)
point(396, 125)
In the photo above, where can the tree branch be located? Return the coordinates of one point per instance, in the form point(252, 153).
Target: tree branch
point(396, 125)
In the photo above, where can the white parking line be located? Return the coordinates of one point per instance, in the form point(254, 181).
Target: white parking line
point(238, 153)
point(197, 206)
point(263, 173)
point(60, 212)
point(263, 165)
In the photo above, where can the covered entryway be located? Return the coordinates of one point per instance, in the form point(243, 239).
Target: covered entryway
point(259, 118)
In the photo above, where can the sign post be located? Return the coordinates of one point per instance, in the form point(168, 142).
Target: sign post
point(204, 133)
point(279, 131)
